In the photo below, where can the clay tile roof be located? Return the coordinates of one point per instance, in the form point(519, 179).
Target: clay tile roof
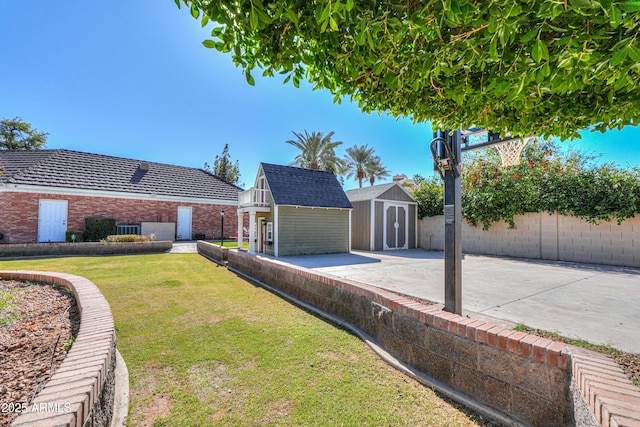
point(87, 171)
point(304, 187)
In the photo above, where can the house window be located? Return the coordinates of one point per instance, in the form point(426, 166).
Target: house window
point(269, 232)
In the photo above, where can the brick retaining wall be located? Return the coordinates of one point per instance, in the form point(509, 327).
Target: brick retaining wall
point(520, 375)
point(82, 388)
point(527, 378)
point(83, 248)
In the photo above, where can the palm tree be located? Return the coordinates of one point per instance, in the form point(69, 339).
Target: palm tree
point(317, 151)
point(357, 159)
point(375, 169)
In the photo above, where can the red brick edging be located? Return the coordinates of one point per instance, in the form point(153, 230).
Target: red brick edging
point(74, 393)
point(611, 396)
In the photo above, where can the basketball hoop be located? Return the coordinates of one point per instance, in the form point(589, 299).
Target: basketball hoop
point(511, 150)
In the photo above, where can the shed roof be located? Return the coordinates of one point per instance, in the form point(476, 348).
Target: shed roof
point(79, 170)
point(373, 192)
point(304, 187)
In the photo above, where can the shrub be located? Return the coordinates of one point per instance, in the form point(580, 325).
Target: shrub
point(98, 228)
point(568, 183)
point(79, 236)
point(127, 238)
point(429, 194)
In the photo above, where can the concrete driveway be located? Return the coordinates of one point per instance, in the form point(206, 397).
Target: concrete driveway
point(600, 304)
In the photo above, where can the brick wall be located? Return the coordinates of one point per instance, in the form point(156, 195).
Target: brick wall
point(19, 214)
point(523, 377)
point(545, 236)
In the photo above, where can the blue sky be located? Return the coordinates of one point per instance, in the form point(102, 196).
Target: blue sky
point(132, 79)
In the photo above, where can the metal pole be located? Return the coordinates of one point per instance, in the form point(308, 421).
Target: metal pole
point(221, 227)
point(453, 228)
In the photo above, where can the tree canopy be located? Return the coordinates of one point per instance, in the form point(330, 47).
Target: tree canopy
point(15, 134)
point(223, 168)
point(531, 67)
point(317, 151)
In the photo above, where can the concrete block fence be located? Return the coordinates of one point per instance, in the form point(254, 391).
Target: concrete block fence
point(545, 236)
point(527, 379)
point(81, 390)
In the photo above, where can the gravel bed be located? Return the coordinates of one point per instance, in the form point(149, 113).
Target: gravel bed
point(38, 323)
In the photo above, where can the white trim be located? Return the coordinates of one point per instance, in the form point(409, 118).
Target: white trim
point(395, 201)
point(313, 207)
point(372, 226)
point(276, 238)
point(39, 189)
point(397, 205)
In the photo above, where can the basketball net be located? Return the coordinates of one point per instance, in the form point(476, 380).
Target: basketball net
point(511, 150)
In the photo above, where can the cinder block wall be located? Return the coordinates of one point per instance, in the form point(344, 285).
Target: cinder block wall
point(545, 236)
point(19, 214)
point(520, 375)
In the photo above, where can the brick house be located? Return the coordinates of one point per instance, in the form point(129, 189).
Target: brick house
point(44, 193)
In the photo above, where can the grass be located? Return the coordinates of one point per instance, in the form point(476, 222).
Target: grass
point(7, 305)
point(230, 244)
point(205, 347)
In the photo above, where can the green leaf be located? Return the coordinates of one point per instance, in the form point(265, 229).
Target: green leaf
point(529, 36)
point(325, 13)
point(348, 6)
point(333, 24)
point(634, 53)
point(584, 4)
point(618, 57)
point(630, 6)
point(253, 18)
point(539, 51)
point(615, 17)
point(249, 77)
point(209, 44)
point(195, 12)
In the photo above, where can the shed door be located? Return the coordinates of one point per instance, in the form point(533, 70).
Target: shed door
point(184, 223)
point(52, 220)
point(395, 226)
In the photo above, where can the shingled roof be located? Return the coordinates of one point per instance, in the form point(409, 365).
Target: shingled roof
point(74, 169)
point(294, 186)
point(373, 192)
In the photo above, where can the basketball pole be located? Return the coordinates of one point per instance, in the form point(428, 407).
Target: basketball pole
point(446, 149)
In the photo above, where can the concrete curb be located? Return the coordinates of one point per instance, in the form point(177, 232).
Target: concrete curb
point(121, 397)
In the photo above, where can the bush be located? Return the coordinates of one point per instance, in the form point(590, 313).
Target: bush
point(569, 184)
point(429, 194)
point(98, 228)
point(79, 236)
point(127, 238)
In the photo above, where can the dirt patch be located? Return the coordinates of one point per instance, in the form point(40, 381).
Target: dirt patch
point(38, 323)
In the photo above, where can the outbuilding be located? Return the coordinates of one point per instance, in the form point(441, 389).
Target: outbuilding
point(296, 211)
point(384, 217)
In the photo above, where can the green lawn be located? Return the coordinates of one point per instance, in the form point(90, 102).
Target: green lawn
point(205, 347)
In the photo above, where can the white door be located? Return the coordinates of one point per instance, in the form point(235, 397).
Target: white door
point(184, 223)
point(52, 220)
point(396, 232)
